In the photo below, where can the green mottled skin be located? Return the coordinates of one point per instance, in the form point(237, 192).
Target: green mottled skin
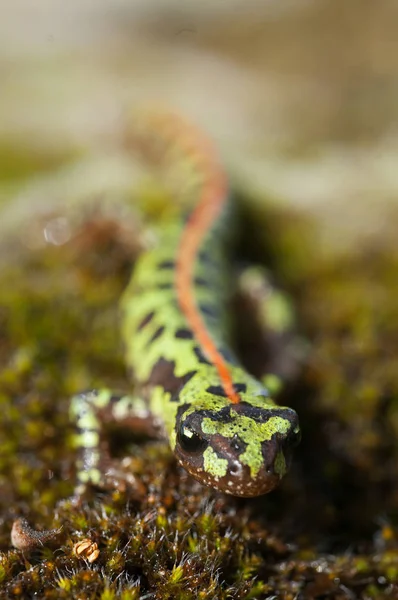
point(242, 448)
point(142, 297)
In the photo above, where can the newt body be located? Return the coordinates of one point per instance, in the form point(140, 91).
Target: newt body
point(222, 424)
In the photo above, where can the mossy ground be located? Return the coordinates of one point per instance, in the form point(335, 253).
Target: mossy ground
point(328, 532)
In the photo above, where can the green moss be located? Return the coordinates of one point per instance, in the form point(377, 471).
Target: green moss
point(173, 538)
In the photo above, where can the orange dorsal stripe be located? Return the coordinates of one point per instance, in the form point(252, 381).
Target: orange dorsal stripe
point(213, 197)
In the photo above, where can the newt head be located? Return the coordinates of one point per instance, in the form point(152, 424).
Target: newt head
point(239, 449)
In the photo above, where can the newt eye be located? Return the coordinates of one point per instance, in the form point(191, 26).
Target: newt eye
point(190, 441)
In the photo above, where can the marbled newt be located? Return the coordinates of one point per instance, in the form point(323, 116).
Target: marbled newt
point(222, 423)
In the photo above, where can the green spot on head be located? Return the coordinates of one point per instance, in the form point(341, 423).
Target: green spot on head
point(247, 428)
point(252, 433)
point(213, 464)
point(252, 457)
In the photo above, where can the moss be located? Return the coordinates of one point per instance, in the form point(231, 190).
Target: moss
point(171, 538)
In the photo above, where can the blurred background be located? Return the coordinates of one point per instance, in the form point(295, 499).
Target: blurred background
point(301, 97)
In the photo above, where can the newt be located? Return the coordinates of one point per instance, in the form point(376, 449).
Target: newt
point(223, 424)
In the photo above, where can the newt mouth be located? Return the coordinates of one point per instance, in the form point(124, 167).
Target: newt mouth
point(238, 481)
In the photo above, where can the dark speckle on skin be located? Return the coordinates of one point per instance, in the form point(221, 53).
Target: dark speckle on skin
point(147, 319)
point(166, 285)
point(163, 374)
point(166, 265)
point(205, 258)
point(201, 282)
point(199, 355)
point(208, 310)
point(218, 390)
point(156, 335)
point(240, 388)
point(184, 334)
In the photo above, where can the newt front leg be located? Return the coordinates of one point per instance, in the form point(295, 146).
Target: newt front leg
point(91, 411)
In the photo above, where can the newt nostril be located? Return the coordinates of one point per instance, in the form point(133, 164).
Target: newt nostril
point(235, 469)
